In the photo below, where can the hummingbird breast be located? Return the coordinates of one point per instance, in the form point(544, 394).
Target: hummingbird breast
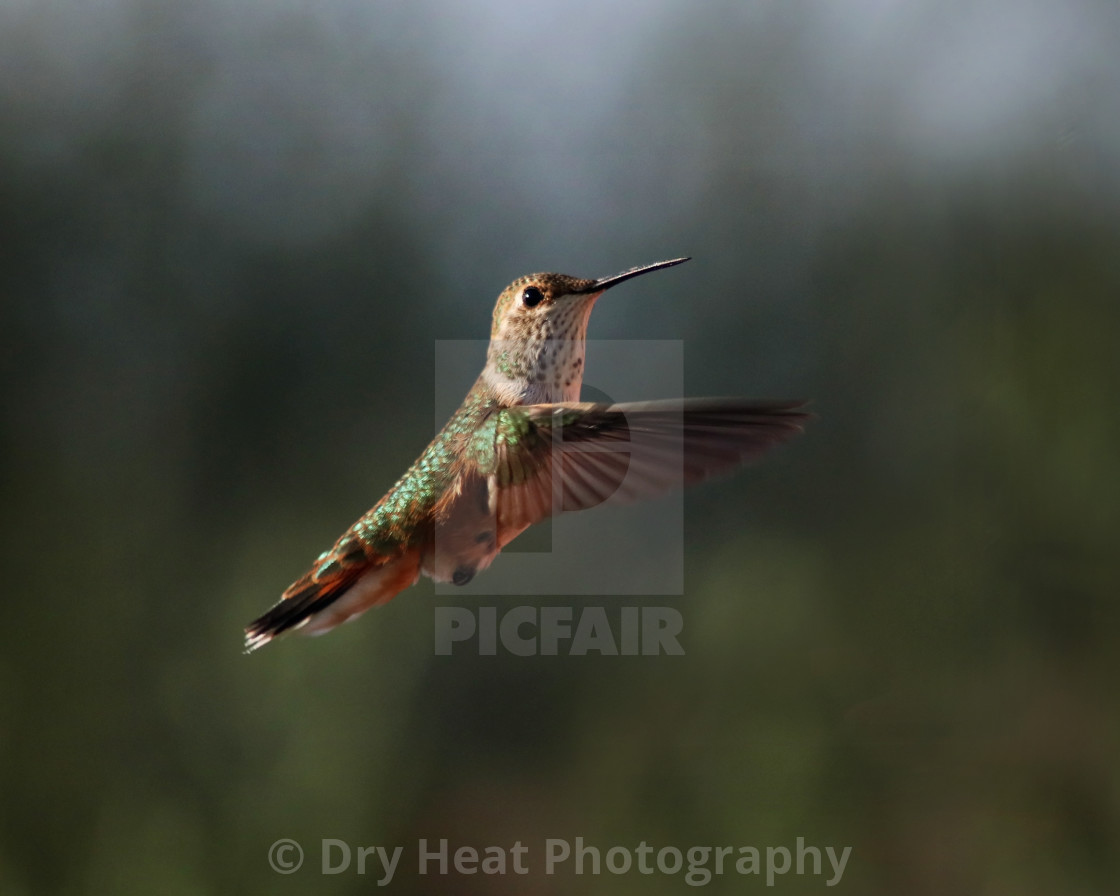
point(557, 375)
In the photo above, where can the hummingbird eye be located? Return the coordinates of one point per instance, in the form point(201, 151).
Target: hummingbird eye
point(531, 297)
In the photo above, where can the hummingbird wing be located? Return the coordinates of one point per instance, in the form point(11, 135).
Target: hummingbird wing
point(550, 458)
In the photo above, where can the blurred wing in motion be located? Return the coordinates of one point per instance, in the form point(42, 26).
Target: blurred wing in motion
point(622, 452)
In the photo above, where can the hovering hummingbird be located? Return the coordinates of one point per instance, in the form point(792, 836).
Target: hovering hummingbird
point(522, 447)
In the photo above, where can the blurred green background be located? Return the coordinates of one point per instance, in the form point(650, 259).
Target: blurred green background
point(230, 234)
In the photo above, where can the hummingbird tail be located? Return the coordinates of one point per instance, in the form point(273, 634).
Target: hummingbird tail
point(318, 602)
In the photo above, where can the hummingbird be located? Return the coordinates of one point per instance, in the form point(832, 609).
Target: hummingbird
point(523, 447)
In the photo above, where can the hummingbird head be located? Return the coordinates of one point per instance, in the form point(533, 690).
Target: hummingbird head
point(538, 335)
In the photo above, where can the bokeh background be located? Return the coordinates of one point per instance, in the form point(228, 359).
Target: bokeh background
point(230, 234)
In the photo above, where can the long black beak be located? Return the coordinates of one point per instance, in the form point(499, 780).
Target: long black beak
point(607, 282)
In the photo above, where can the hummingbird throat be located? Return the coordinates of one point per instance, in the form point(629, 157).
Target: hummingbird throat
point(539, 361)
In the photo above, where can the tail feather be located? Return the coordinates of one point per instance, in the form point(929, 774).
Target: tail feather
point(302, 600)
point(344, 581)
